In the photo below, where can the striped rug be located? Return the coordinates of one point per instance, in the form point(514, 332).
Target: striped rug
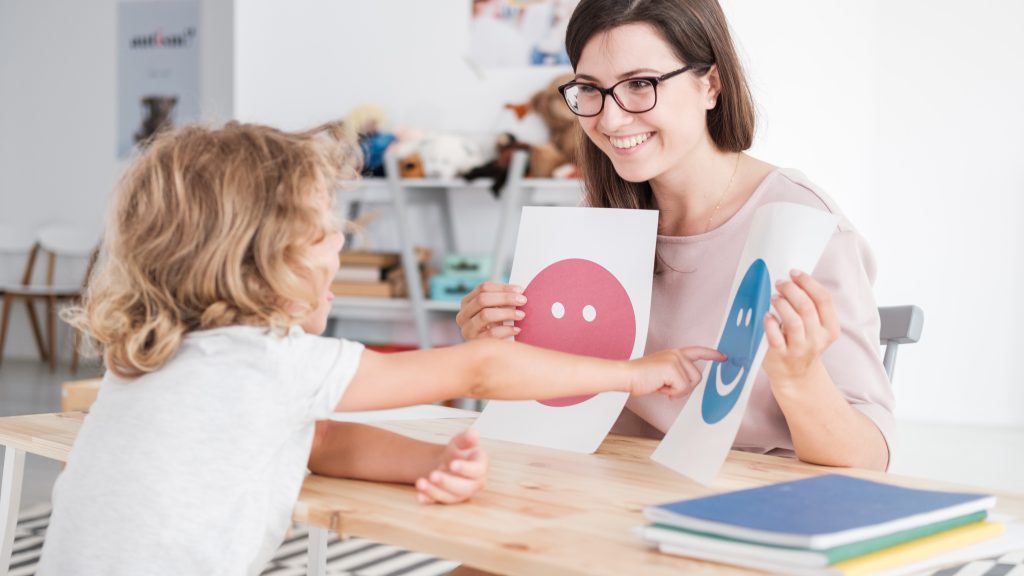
point(349, 557)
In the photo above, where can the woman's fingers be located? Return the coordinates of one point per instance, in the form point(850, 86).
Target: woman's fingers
point(792, 323)
point(487, 308)
point(822, 300)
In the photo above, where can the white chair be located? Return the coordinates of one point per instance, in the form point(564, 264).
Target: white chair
point(900, 325)
point(69, 245)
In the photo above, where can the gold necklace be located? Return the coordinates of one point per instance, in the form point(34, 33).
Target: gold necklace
point(721, 196)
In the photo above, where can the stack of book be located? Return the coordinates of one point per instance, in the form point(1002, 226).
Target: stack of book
point(830, 524)
point(364, 273)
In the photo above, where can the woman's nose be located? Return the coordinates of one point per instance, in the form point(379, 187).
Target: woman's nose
point(612, 116)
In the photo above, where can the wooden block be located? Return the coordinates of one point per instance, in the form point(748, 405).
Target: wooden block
point(78, 395)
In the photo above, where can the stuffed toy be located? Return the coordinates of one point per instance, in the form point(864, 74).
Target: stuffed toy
point(445, 156)
point(410, 166)
point(366, 124)
point(561, 122)
point(557, 157)
point(497, 169)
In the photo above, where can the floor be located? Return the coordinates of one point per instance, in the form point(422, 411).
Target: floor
point(985, 458)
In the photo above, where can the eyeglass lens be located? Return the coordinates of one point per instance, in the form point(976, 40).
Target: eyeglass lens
point(634, 95)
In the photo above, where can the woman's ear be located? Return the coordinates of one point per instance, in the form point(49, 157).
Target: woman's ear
point(713, 86)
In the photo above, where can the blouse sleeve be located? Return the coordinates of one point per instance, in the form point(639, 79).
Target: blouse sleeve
point(847, 270)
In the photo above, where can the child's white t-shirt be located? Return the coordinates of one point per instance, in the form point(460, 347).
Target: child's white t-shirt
point(195, 468)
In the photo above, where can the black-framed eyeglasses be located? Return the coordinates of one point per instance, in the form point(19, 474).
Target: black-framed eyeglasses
point(634, 95)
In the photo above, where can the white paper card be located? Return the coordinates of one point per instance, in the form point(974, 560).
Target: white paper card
point(783, 236)
point(587, 276)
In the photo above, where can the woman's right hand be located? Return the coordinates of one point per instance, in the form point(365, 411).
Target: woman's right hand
point(484, 311)
point(671, 372)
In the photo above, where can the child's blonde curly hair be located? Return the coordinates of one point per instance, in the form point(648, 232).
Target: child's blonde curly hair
point(210, 228)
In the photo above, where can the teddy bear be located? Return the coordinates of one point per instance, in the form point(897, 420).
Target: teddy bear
point(557, 157)
point(561, 122)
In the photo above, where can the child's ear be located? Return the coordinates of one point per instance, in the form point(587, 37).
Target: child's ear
point(713, 86)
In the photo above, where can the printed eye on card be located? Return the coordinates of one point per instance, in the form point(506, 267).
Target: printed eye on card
point(587, 276)
point(783, 236)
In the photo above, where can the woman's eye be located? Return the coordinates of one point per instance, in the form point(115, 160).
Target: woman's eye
point(586, 89)
point(638, 85)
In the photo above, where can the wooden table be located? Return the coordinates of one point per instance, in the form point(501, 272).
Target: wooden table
point(543, 512)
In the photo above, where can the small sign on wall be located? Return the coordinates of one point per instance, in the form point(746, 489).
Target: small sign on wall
point(157, 69)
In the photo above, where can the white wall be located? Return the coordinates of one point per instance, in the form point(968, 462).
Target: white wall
point(58, 98)
point(911, 115)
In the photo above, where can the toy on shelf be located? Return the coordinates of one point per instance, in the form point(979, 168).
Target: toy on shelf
point(459, 276)
point(497, 169)
point(367, 125)
point(440, 156)
point(556, 158)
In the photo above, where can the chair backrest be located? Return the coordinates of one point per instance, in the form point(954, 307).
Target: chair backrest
point(74, 245)
point(900, 325)
point(16, 244)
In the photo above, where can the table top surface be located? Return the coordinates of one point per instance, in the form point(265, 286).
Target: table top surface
point(543, 512)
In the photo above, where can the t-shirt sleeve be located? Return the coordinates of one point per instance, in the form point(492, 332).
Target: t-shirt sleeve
point(847, 270)
point(319, 371)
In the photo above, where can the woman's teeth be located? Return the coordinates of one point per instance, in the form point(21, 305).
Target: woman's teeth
point(629, 142)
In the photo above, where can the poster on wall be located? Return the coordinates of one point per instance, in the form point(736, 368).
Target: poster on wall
point(588, 292)
point(157, 69)
point(519, 33)
point(783, 236)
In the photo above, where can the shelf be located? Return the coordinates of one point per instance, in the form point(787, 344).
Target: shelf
point(384, 308)
point(399, 193)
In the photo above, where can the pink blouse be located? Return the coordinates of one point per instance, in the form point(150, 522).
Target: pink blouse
point(690, 298)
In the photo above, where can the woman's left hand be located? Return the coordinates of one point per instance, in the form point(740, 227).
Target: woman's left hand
point(461, 472)
point(808, 326)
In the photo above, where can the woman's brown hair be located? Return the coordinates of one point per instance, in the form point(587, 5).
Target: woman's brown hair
point(699, 34)
point(211, 228)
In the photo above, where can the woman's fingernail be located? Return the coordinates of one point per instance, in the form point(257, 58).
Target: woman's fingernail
point(517, 289)
point(435, 476)
point(455, 466)
point(516, 329)
point(795, 273)
point(520, 314)
point(520, 299)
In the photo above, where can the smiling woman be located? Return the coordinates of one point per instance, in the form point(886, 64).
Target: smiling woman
point(673, 139)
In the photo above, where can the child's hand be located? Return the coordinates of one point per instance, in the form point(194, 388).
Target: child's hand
point(671, 372)
point(460, 473)
point(809, 326)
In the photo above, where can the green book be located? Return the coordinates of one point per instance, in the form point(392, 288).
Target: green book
point(704, 541)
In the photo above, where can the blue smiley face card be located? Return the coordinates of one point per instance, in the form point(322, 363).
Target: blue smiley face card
point(783, 236)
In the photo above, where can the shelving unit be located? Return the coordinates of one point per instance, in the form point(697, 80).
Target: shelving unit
point(399, 193)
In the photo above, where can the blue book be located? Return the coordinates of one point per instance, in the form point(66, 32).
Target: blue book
point(819, 512)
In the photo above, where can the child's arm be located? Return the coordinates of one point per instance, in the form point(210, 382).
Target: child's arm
point(445, 474)
point(504, 370)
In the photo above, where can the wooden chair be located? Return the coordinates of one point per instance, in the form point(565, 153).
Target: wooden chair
point(900, 325)
point(16, 251)
point(53, 243)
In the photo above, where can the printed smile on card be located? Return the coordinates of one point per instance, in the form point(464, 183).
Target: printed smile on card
point(627, 142)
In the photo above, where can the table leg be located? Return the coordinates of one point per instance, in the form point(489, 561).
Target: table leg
point(10, 502)
point(316, 560)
